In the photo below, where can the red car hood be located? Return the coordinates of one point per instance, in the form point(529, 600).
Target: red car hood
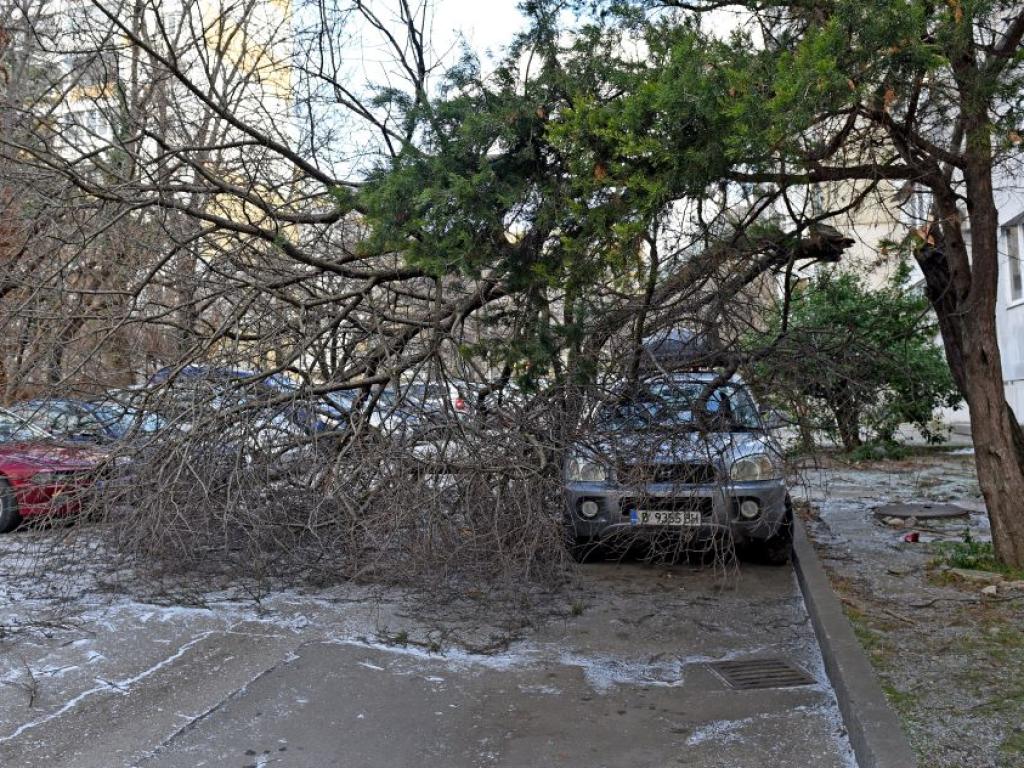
point(52, 456)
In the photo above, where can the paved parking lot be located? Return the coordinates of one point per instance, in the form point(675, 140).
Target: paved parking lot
point(615, 673)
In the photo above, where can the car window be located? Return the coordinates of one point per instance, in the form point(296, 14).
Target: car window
point(78, 423)
point(426, 392)
point(120, 419)
point(343, 398)
point(60, 418)
point(14, 429)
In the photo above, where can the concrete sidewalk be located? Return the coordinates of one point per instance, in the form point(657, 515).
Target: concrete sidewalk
point(313, 684)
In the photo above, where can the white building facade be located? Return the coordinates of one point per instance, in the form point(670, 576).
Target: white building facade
point(1010, 307)
point(888, 213)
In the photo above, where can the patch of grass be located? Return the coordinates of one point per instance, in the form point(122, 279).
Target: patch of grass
point(971, 554)
point(877, 450)
point(903, 701)
point(870, 639)
point(577, 607)
point(941, 578)
point(999, 640)
point(1013, 745)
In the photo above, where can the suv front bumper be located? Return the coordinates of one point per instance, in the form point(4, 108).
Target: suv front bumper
point(718, 505)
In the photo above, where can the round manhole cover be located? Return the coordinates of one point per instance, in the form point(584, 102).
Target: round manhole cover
point(920, 510)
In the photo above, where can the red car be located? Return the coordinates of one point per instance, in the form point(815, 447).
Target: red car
point(38, 474)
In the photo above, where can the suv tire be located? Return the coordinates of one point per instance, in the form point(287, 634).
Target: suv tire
point(776, 549)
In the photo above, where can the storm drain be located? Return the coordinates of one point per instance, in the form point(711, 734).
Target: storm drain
point(753, 674)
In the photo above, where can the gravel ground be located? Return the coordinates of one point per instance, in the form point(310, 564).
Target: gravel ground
point(950, 658)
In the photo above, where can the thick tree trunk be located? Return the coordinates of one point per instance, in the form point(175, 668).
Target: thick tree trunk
point(640, 324)
point(848, 421)
point(963, 291)
point(997, 454)
point(997, 444)
point(998, 438)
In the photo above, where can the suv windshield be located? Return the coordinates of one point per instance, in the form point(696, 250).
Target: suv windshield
point(673, 404)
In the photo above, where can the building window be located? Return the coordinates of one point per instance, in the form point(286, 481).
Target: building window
point(919, 207)
point(1013, 250)
point(70, 131)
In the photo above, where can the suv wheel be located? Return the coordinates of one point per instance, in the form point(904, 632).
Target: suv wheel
point(777, 549)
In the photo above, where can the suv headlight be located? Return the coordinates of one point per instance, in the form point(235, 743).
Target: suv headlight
point(753, 468)
point(585, 471)
point(48, 478)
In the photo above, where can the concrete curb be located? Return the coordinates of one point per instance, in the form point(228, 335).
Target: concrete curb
point(875, 732)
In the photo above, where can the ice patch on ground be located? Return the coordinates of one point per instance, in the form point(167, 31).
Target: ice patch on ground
point(541, 690)
point(452, 657)
point(722, 731)
point(603, 673)
point(122, 686)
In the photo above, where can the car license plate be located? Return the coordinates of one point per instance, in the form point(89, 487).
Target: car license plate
point(679, 517)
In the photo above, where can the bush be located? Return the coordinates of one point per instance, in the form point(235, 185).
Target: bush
point(853, 361)
point(878, 450)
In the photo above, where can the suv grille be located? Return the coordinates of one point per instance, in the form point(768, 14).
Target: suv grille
point(683, 473)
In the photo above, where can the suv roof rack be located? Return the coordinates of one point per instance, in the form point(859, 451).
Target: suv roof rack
point(682, 349)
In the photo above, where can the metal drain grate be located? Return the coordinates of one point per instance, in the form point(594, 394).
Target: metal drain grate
point(753, 674)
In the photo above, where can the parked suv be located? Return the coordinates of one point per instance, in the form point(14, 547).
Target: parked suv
point(679, 459)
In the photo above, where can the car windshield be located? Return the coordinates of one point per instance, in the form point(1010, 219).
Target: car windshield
point(673, 404)
point(121, 419)
point(58, 417)
point(15, 429)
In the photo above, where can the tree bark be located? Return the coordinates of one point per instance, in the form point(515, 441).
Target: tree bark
point(963, 291)
point(996, 433)
point(994, 427)
point(848, 421)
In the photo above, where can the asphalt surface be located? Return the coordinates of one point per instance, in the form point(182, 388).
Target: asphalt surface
point(619, 676)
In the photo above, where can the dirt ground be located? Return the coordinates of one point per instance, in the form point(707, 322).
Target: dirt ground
point(951, 658)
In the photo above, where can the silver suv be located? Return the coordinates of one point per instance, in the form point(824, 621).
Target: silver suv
point(676, 459)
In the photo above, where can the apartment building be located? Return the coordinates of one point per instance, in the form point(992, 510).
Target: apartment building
point(172, 69)
point(890, 211)
point(1010, 306)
